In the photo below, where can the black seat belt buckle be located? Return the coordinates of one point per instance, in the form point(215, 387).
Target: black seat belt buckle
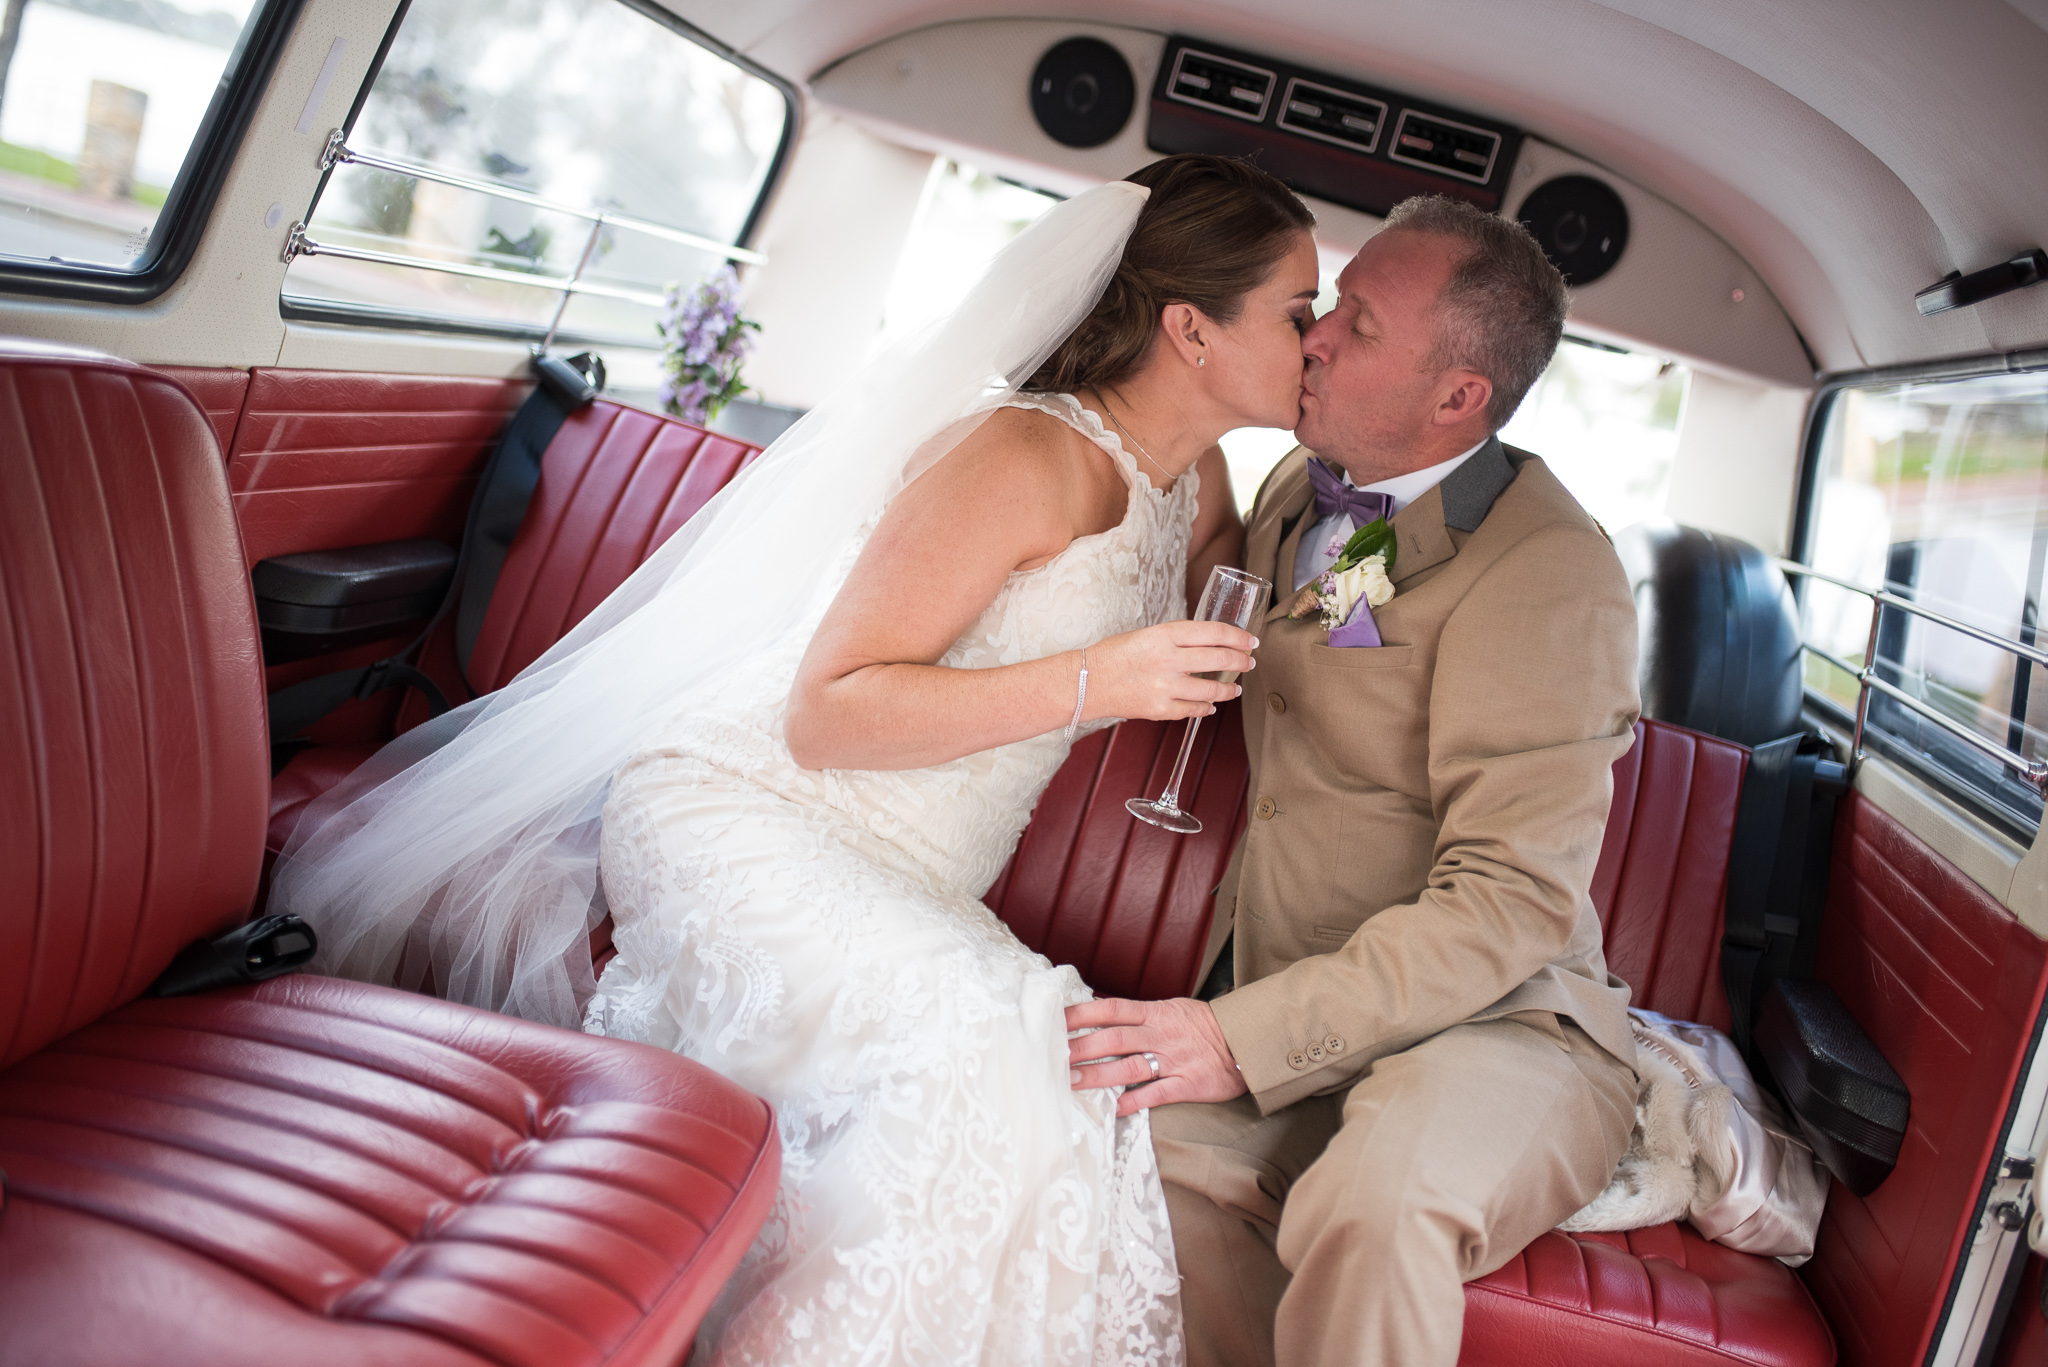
point(572, 381)
point(260, 949)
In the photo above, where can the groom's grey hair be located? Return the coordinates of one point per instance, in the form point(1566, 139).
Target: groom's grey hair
point(1502, 311)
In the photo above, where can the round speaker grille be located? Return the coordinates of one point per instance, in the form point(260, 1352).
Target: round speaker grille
point(1082, 92)
point(1580, 223)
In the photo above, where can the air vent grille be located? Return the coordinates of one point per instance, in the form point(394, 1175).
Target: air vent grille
point(1211, 82)
point(1445, 146)
point(1319, 111)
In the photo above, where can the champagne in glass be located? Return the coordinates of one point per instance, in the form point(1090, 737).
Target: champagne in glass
point(1230, 596)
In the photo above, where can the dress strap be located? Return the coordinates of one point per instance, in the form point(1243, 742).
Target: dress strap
point(1072, 412)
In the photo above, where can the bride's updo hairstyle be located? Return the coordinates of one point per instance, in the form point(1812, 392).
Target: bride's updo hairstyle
point(1212, 231)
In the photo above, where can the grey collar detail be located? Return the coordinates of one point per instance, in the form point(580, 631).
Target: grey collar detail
point(1468, 492)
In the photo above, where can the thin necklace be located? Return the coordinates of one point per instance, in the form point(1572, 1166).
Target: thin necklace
point(1103, 399)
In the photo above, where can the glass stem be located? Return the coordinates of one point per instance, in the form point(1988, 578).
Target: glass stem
point(1170, 799)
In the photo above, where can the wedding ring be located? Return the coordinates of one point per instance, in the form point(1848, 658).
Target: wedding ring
point(1153, 1059)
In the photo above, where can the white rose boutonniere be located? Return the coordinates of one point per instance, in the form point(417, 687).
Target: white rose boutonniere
point(1360, 573)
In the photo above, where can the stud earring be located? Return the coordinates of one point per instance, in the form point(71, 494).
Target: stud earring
point(1201, 361)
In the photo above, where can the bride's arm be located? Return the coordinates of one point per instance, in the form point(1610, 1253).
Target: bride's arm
point(868, 695)
point(1218, 535)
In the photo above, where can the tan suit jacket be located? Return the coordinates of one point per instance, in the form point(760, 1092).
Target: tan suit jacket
point(1426, 814)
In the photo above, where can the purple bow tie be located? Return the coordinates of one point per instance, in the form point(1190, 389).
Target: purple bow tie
point(1333, 496)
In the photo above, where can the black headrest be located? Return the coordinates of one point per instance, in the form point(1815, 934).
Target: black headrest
point(1719, 632)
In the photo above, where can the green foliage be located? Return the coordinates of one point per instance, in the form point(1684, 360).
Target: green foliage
point(1374, 538)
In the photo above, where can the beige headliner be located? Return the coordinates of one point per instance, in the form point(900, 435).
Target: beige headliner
point(1851, 151)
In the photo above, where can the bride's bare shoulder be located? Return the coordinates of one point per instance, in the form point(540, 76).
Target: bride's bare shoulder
point(1024, 444)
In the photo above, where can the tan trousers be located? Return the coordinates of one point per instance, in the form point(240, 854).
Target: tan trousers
point(1341, 1230)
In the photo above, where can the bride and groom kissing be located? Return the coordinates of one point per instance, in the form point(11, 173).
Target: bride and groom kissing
point(791, 753)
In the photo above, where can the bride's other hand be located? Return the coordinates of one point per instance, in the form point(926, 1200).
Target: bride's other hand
point(1194, 1060)
point(1157, 672)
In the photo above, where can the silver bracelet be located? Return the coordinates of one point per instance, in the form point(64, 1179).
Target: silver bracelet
point(1080, 697)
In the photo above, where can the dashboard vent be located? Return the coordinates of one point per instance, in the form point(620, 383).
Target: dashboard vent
point(1447, 147)
point(1321, 111)
point(1210, 82)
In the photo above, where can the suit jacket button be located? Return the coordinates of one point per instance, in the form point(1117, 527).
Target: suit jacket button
point(1277, 703)
point(1265, 809)
point(1334, 1044)
point(1315, 1051)
point(1297, 1060)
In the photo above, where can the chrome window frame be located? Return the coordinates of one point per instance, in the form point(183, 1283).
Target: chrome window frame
point(337, 152)
point(2028, 784)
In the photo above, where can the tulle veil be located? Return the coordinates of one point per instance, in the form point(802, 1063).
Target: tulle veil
point(467, 849)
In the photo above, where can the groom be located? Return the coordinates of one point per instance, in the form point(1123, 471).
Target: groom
point(1423, 1063)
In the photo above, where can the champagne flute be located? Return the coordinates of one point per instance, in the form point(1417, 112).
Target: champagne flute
point(1230, 596)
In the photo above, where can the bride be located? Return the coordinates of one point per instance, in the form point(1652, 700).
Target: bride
point(792, 752)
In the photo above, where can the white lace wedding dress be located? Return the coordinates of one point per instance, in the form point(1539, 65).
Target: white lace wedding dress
point(818, 937)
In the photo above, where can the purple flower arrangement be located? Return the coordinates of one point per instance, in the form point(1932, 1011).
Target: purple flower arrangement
point(704, 341)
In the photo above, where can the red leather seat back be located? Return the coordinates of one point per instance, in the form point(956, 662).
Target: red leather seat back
point(1662, 878)
point(615, 483)
point(134, 765)
point(1947, 983)
point(1126, 903)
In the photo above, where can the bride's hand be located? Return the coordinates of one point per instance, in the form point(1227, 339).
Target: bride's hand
point(1153, 672)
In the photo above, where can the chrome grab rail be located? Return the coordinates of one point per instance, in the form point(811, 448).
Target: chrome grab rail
point(337, 152)
point(2033, 772)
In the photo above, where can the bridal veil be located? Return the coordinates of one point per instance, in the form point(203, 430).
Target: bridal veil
point(466, 851)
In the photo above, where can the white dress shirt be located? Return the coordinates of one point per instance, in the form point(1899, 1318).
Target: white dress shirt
point(1321, 543)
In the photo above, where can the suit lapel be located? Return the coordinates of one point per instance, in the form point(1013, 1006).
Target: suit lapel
point(1459, 503)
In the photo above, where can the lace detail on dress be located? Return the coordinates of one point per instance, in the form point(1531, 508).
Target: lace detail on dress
point(819, 938)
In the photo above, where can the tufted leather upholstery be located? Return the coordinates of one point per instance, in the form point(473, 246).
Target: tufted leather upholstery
point(615, 483)
point(1127, 904)
point(1719, 629)
point(326, 458)
point(309, 1170)
point(1663, 872)
point(128, 683)
point(1662, 1295)
point(1947, 982)
point(337, 1174)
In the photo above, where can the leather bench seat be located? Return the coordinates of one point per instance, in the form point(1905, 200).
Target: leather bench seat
point(305, 1171)
point(1130, 907)
point(311, 1170)
point(1662, 1295)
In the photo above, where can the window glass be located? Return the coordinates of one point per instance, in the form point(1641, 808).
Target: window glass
point(963, 219)
point(101, 104)
point(1939, 492)
point(588, 104)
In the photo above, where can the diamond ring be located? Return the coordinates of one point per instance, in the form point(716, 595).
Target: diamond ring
point(1153, 1059)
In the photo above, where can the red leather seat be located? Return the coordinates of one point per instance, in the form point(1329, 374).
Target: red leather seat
point(308, 1170)
point(1130, 907)
point(1662, 1295)
point(614, 484)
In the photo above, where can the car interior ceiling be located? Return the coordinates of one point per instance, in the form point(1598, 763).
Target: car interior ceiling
point(1818, 206)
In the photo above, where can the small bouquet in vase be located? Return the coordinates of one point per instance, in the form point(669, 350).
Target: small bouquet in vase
point(704, 341)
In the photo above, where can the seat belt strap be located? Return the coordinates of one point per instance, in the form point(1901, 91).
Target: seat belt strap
point(495, 511)
point(502, 495)
point(1778, 871)
point(1752, 864)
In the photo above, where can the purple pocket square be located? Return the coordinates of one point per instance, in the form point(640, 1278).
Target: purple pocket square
point(1358, 630)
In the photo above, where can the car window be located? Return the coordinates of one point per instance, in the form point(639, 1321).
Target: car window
point(493, 134)
point(1937, 491)
point(105, 106)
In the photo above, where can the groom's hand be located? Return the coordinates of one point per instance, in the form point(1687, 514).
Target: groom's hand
point(1195, 1063)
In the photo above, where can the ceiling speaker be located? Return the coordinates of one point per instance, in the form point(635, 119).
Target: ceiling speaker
point(1082, 92)
point(1580, 223)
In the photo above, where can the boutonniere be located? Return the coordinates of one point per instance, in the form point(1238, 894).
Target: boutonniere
point(1358, 574)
